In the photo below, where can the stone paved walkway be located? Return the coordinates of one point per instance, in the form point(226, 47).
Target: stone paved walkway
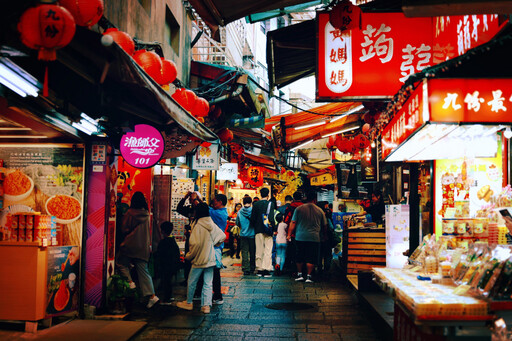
point(334, 313)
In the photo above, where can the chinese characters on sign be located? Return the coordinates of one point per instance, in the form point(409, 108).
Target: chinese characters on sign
point(255, 176)
point(374, 61)
point(323, 179)
point(471, 100)
point(228, 171)
point(143, 148)
point(404, 123)
point(206, 158)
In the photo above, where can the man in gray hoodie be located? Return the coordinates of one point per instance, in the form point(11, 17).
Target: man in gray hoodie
point(243, 220)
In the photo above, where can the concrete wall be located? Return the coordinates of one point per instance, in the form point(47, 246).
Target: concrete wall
point(145, 20)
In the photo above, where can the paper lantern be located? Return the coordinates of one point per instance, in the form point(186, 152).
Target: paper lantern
point(169, 72)
point(345, 16)
point(366, 127)
point(86, 12)
point(361, 141)
point(46, 28)
point(122, 39)
point(255, 176)
point(331, 142)
point(225, 135)
point(150, 62)
point(201, 107)
point(185, 98)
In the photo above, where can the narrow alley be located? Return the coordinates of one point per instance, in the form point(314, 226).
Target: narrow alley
point(256, 308)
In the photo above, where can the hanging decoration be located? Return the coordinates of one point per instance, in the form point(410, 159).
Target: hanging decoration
point(361, 141)
point(225, 135)
point(330, 142)
point(150, 62)
point(365, 128)
point(122, 39)
point(255, 176)
point(86, 12)
point(345, 16)
point(169, 72)
point(201, 108)
point(46, 28)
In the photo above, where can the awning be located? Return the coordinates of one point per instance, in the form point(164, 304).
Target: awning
point(221, 12)
point(260, 160)
point(318, 123)
point(291, 53)
point(106, 82)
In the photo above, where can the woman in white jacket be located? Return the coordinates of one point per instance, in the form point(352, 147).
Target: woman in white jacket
point(204, 235)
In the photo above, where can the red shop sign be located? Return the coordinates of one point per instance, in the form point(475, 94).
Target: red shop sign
point(404, 123)
point(255, 176)
point(455, 35)
point(470, 100)
point(373, 62)
point(143, 148)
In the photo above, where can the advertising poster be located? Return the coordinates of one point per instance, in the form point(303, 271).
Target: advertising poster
point(131, 180)
point(397, 235)
point(63, 280)
point(46, 179)
point(465, 185)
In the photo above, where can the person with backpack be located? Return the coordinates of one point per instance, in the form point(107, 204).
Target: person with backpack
point(263, 224)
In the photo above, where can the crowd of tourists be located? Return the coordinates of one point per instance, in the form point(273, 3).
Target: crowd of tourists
point(295, 238)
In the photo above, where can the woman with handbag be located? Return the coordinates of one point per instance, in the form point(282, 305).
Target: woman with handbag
point(234, 233)
point(204, 235)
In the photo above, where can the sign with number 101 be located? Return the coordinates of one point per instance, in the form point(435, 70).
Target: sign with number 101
point(143, 148)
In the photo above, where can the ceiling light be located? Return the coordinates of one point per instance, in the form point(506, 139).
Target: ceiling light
point(507, 133)
point(311, 125)
point(301, 145)
point(351, 111)
point(83, 128)
point(341, 131)
point(17, 79)
point(372, 144)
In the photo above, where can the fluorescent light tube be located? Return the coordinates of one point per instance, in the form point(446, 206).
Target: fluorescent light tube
point(301, 145)
point(310, 125)
point(15, 81)
point(82, 128)
point(341, 131)
point(351, 111)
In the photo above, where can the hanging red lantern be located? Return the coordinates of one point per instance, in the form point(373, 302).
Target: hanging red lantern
point(361, 141)
point(366, 127)
point(169, 72)
point(345, 16)
point(86, 12)
point(201, 107)
point(46, 28)
point(150, 62)
point(215, 112)
point(255, 176)
point(331, 142)
point(283, 170)
point(122, 39)
point(225, 135)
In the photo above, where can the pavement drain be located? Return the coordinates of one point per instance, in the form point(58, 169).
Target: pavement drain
point(290, 306)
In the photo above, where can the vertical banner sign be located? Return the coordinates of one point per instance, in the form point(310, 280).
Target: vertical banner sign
point(63, 281)
point(404, 123)
point(143, 148)
point(455, 35)
point(373, 62)
point(206, 158)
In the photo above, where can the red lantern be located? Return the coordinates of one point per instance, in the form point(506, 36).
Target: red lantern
point(46, 28)
point(85, 12)
point(190, 100)
point(215, 112)
point(122, 39)
point(345, 16)
point(360, 141)
point(200, 108)
point(225, 135)
point(255, 176)
point(169, 72)
point(150, 62)
point(366, 127)
point(331, 142)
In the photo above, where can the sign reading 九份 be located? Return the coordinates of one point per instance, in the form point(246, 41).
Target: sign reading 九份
point(143, 148)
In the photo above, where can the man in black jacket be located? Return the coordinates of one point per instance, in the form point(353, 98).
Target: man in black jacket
point(264, 241)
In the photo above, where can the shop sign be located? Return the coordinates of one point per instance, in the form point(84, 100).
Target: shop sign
point(206, 157)
point(143, 148)
point(255, 176)
point(375, 61)
point(228, 171)
point(404, 123)
point(470, 100)
point(323, 179)
point(455, 35)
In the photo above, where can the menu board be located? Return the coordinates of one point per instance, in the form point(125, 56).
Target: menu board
point(63, 279)
point(46, 179)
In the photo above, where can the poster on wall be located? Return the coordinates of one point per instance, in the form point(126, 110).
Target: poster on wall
point(464, 186)
point(129, 181)
point(46, 179)
point(63, 279)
